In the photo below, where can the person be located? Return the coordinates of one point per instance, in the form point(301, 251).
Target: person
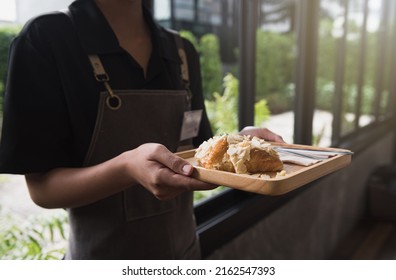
point(94, 107)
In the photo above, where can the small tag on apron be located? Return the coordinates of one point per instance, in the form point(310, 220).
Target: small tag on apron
point(191, 122)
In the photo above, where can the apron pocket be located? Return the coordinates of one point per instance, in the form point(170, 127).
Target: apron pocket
point(139, 203)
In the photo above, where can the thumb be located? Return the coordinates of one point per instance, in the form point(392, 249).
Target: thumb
point(173, 162)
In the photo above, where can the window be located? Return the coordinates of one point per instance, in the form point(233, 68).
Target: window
point(275, 59)
point(354, 67)
point(209, 11)
point(184, 10)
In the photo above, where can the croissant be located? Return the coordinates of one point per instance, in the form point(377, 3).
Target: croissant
point(239, 154)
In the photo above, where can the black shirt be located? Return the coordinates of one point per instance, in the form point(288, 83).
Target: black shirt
point(52, 95)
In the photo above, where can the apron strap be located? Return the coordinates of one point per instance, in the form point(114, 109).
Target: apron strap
point(182, 54)
point(101, 75)
point(184, 65)
point(113, 101)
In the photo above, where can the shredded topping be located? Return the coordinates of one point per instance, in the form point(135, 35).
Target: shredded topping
point(237, 151)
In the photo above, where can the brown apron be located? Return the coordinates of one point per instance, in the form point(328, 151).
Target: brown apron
point(133, 224)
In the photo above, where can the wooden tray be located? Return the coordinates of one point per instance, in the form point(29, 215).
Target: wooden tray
point(296, 175)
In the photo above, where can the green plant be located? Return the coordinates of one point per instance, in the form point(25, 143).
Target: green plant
point(325, 94)
point(186, 34)
point(261, 112)
point(222, 110)
point(199, 196)
point(38, 238)
point(208, 48)
point(316, 138)
point(210, 65)
point(274, 68)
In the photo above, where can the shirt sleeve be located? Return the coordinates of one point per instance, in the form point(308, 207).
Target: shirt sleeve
point(36, 129)
point(194, 68)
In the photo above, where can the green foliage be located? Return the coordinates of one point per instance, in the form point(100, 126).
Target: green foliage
point(209, 49)
point(35, 239)
point(210, 65)
point(274, 69)
point(326, 53)
point(325, 94)
point(190, 37)
point(326, 68)
point(222, 110)
point(200, 196)
point(316, 138)
point(261, 112)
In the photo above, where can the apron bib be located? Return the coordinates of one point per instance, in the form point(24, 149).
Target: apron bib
point(133, 224)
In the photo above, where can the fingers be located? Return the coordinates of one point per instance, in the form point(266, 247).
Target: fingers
point(180, 181)
point(271, 136)
point(263, 133)
point(175, 184)
point(169, 174)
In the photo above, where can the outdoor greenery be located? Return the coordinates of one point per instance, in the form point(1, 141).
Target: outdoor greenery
point(222, 110)
point(326, 68)
point(37, 238)
point(211, 65)
point(221, 94)
point(208, 47)
point(274, 70)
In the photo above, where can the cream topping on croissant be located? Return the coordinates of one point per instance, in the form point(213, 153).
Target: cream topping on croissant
point(233, 153)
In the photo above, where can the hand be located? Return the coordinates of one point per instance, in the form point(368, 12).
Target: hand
point(262, 133)
point(161, 172)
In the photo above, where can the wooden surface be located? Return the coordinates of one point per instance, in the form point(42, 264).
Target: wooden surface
point(296, 175)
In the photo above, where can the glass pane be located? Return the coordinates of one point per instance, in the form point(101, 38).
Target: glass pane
point(184, 9)
point(387, 49)
point(330, 30)
point(368, 91)
point(276, 44)
point(391, 98)
point(355, 20)
point(209, 11)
